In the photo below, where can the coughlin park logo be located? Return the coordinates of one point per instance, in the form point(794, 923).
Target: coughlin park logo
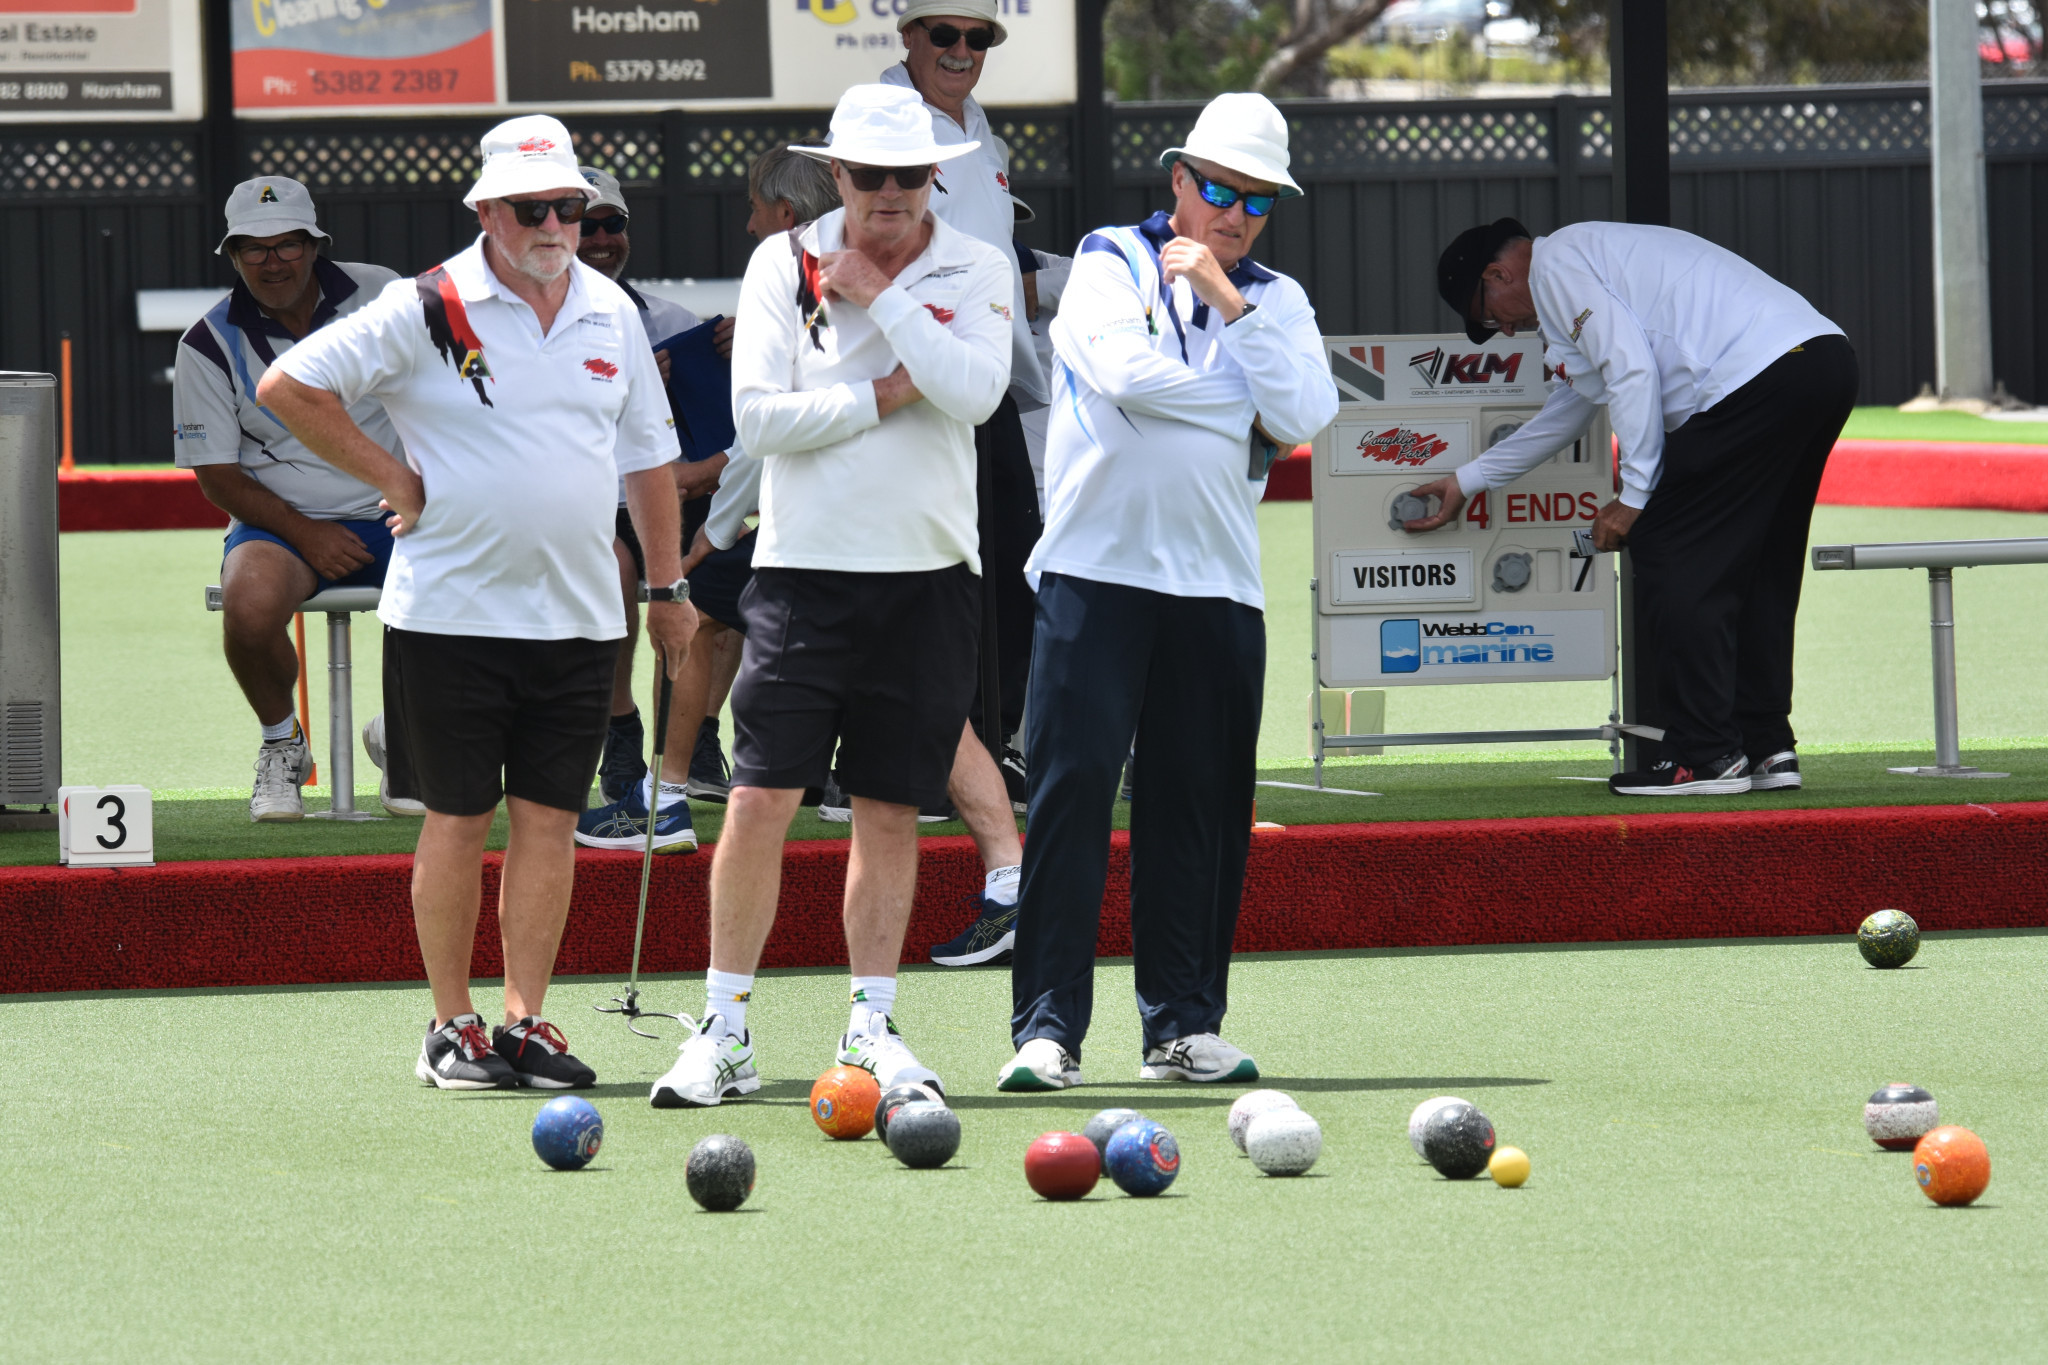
point(830, 11)
point(1400, 446)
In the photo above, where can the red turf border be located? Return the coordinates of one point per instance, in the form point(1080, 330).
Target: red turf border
point(284, 921)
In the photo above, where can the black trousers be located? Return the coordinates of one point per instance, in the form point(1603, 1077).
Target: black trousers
point(1188, 674)
point(1009, 529)
point(1720, 553)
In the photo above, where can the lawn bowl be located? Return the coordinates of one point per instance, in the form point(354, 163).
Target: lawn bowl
point(1249, 1106)
point(1283, 1141)
point(567, 1133)
point(1142, 1158)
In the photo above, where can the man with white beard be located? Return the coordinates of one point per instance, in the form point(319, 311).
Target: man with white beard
point(523, 387)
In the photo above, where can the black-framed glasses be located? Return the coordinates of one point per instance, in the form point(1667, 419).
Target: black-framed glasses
point(250, 253)
point(868, 179)
point(945, 35)
point(1223, 196)
point(614, 224)
point(533, 212)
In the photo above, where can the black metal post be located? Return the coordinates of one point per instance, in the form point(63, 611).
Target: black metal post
point(1641, 121)
point(221, 153)
point(1093, 197)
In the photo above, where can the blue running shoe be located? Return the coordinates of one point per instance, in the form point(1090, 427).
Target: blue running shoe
point(623, 824)
point(987, 941)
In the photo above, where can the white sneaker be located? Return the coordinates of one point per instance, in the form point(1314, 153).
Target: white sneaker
point(880, 1050)
point(281, 770)
point(714, 1064)
point(373, 745)
point(1198, 1057)
point(1041, 1064)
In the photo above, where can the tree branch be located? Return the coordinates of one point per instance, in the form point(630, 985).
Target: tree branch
point(1308, 40)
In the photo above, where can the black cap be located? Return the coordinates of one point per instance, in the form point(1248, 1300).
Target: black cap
point(1464, 260)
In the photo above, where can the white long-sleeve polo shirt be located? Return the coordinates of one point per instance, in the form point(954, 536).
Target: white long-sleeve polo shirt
point(1656, 325)
point(972, 193)
point(1149, 478)
point(841, 487)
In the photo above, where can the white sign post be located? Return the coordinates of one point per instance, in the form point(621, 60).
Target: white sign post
point(105, 827)
point(1508, 592)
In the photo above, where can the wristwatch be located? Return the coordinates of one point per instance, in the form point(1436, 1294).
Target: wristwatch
point(1249, 309)
point(678, 591)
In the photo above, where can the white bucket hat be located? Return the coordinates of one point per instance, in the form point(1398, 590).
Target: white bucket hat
point(527, 155)
point(883, 125)
point(1246, 134)
point(957, 9)
point(609, 195)
point(269, 206)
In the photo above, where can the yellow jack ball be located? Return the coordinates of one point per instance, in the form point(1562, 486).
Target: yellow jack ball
point(1509, 1167)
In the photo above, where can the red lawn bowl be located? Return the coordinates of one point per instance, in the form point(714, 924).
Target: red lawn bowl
point(1062, 1165)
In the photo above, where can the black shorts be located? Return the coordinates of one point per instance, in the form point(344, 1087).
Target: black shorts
point(468, 719)
point(719, 579)
point(695, 512)
point(883, 663)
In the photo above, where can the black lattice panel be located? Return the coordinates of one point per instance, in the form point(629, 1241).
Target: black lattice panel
point(1039, 150)
point(1136, 140)
point(1326, 146)
point(719, 154)
point(631, 154)
point(1748, 130)
point(370, 159)
point(2015, 124)
point(125, 166)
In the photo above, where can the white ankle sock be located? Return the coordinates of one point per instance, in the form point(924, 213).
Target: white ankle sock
point(871, 995)
point(727, 993)
point(671, 792)
point(282, 731)
point(1000, 886)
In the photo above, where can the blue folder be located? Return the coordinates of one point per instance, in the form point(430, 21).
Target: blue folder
point(700, 391)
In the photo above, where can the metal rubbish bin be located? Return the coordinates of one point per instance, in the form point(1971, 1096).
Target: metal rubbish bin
point(31, 755)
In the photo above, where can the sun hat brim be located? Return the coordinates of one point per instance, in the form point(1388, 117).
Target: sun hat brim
point(885, 156)
point(533, 177)
point(269, 227)
point(1235, 161)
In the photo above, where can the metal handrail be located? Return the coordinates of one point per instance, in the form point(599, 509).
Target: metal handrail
point(1941, 558)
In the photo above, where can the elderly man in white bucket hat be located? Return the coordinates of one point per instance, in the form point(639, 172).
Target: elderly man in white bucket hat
point(870, 345)
point(523, 386)
point(1182, 368)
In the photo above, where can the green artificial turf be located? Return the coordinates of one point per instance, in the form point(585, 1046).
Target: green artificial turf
point(1889, 424)
point(148, 699)
point(254, 1175)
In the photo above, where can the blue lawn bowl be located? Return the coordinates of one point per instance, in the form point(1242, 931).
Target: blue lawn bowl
point(1142, 1158)
point(567, 1133)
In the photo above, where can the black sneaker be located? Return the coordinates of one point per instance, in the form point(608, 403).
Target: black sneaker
point(710, 775)
point(1779, 772)
point(622, 768)
point(538, 1055)
point(987, 942)
point(1012, 764)
point(458, 1056)
point(1725, 776)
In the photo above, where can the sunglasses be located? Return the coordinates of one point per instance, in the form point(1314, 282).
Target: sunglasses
point(287, 252)
point(1223, 196)
point(615, 225)
point(534, 212)
point(868, 179)
point(945, 35)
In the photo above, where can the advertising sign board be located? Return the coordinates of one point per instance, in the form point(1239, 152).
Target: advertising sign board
point(90, 60)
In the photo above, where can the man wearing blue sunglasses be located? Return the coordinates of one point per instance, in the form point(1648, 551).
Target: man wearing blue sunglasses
point(1182, 366)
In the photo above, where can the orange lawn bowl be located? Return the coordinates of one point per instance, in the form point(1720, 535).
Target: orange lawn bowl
point(1951, 1165)
point(843, 1103)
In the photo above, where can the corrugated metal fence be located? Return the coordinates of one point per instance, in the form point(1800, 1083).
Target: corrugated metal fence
point(1826, 188)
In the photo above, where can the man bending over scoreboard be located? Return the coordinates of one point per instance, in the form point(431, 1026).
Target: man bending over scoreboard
point(1726, 390)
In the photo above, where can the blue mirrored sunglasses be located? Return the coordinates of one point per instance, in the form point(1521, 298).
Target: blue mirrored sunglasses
point(1223, 196)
